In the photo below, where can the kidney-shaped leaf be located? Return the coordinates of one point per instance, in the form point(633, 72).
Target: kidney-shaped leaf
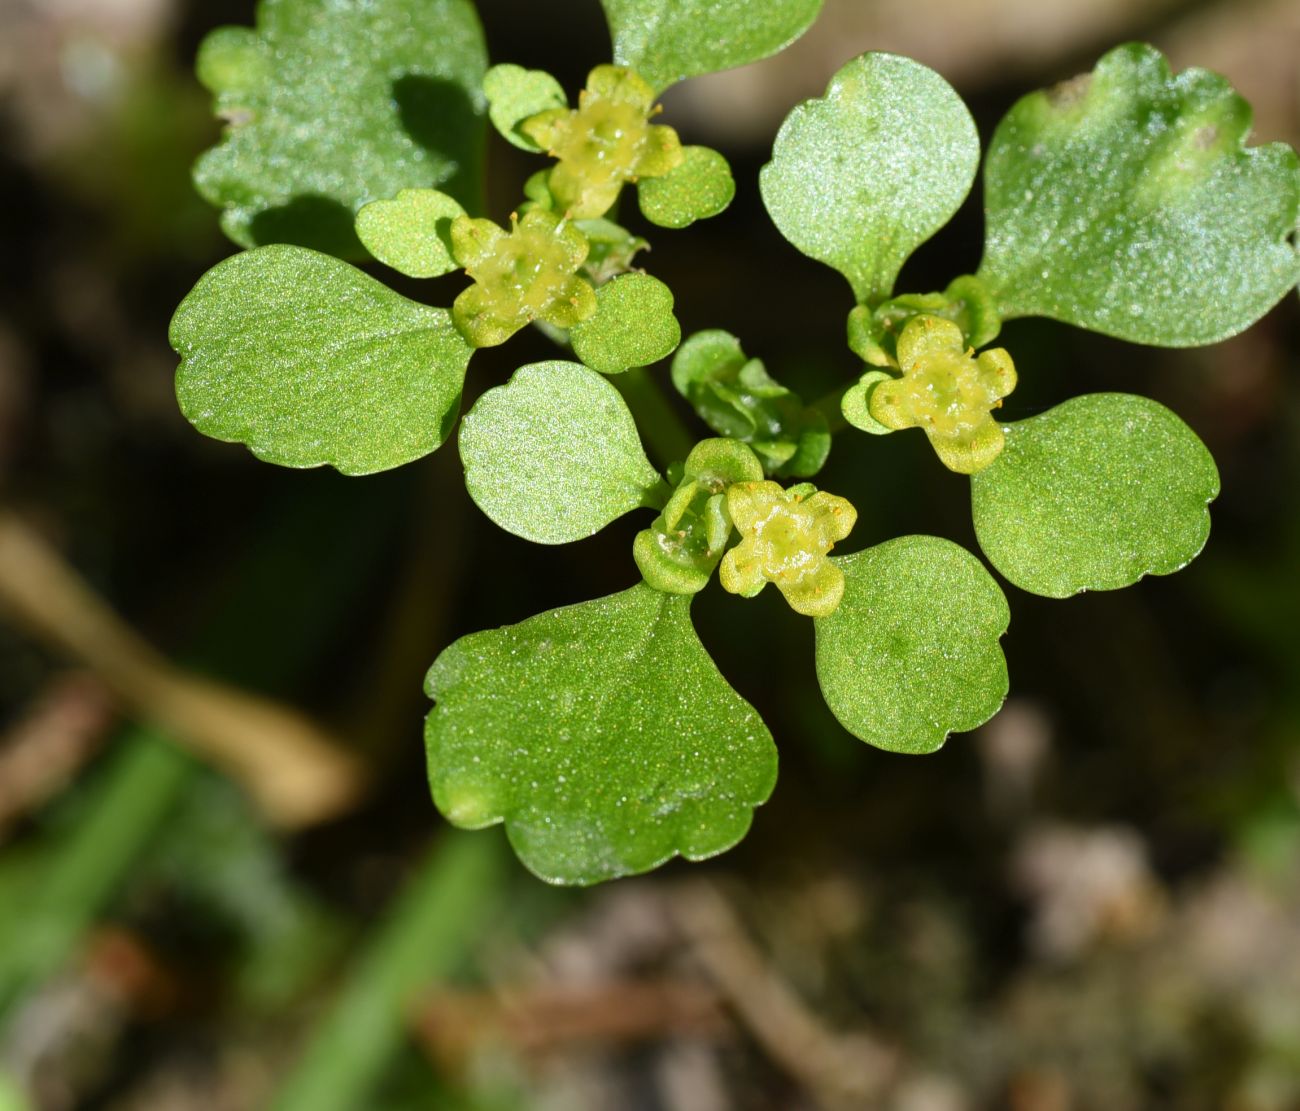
point(601, 734)
point(1126, 201)
point(333, 105)
point(702, 186)
point(1094, 494)
point(514, 94)
point(309, 361)
point(912, 652)
point(666, 41)
point(412, 232)
point(633, 325)
point(864, 175)
point(553, 455)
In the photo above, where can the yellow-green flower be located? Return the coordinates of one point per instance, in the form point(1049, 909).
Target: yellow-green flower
point(785, 535)
point(947, 390)
point(525, 274)
point(606, 141)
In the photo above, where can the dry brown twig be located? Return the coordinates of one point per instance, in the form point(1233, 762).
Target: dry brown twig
point(297, 774)
point(43, 750)
point(556, 1017)
point(840, 1070)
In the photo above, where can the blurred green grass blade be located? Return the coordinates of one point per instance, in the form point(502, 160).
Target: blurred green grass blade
point(429, 933)
point(277, 590)
point(129, 803)
point(11, 1099)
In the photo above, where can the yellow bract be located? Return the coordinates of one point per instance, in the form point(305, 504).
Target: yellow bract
point(947, 390)
point(522, 275)
point(785, 537)
point(606, 141)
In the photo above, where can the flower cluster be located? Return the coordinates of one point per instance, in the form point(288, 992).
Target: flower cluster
point(785, 538)
point(605, 142)
point(947, 391)
point(528, 273)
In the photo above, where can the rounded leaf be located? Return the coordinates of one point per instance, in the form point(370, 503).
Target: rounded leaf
point(1126, 202)
point(912, 652)
point(702, 186)
point(308, 361)
point(718, 462)
point(856, 403)
point(1094, 494)
point(601, 734)
point(412, 232)
point(864, 175)
point(232, 60)
point(514, 94)
point(633, 325)
point(706, 355)
point(333, 105)
point(553, 455)
point(610, 249)
point(666, 41)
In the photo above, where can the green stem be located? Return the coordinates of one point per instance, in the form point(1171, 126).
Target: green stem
point(657, 496)
point(429, 934)
point(664, 431)
point(829, 407)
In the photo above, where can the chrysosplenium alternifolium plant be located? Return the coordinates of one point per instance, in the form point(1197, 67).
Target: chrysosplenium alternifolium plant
point(602, 734)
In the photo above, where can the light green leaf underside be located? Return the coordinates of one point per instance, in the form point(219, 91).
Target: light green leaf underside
point(412, 232)
point(553, 455)
point(333, 105)
point(633, 325)
point(1126, 202)
point(666, 41)
point(308, 361)
point(514, 94)
point(1094, 494)
point(912, 652)
point(864, 175)
point(601, 734)
point(702, 186)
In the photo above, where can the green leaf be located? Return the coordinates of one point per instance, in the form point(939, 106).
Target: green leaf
point(873, 333)
point(855, 405)
point(610, 249)
point(912, 652)
point(736, 397)
point(863, 176)
point(601, 734)
point(633, 325)
point(1094, 494)
point(333, 105)
point(666, 41)
point(702, 186)
point(514, 94)
point(680, 550)
point(1126, 201)
point(308, 361)
point(537, 188)
point(412, 232)
point(553, 455)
